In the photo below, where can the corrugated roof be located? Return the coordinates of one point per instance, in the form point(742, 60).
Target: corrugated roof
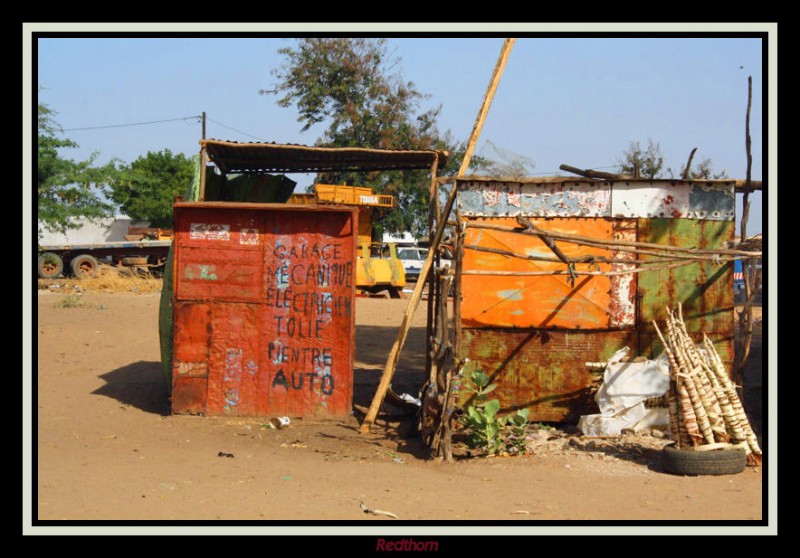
point(258, 158)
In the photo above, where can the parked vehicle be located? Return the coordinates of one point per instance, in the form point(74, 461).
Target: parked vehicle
point(377, 267)
point(413, 258)
point(147, 248)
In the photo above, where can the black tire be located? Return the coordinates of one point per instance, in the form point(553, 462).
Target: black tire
point(726, 461)
point(50, 265)
point(83, 266)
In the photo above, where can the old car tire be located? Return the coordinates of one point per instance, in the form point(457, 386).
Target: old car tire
point(83, 266)
point(50, 265)
point(727, 461)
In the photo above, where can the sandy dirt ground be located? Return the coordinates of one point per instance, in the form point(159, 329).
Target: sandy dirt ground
point(107, 448)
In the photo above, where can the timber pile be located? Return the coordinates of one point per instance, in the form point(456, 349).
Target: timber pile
point(704, 408)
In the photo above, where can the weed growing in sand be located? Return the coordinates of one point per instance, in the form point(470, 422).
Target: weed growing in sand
point(72, 301)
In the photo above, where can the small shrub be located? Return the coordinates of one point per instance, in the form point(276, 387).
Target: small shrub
point(488, 432)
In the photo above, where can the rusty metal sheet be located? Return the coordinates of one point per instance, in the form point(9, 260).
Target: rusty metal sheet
point(623, 306)
point(545, 301)
point(219, 255)
point(716, 202)
point(675, 199)
point(543, 371)
point(704, 289)
point(281, 343)
point(550, 199)
point(649, 199)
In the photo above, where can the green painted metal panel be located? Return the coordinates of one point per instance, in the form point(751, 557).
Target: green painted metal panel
point(704, 289)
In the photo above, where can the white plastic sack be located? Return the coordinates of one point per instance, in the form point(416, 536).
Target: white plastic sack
point(621, 398)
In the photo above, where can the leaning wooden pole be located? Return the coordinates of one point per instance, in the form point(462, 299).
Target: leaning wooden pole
point(589, 173)
point(687, 171)
point(746, 314)
point(394, 354)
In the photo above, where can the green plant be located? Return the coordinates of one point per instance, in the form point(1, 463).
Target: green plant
point(489, 432)
point(518, 430)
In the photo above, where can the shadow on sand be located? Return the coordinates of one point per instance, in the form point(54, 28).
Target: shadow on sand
point(139, 384)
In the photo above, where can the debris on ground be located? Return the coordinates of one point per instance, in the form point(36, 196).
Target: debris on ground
point(622, 396)
point(365, 509)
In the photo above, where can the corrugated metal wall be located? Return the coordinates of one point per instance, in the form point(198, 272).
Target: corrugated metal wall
point(533, 334)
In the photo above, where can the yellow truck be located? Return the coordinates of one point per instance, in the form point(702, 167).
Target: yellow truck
point(378, 268)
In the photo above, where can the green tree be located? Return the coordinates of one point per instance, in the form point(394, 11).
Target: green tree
point(649, 162)
point(351, 85)
point(704, 170)
point(64, 186)
point(146, 188)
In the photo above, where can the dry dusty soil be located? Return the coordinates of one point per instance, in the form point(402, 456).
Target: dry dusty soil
point(105, 446)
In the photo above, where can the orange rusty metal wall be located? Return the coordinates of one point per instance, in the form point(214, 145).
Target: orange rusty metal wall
point(533, 334)
point(546, 301)
point(264, 310)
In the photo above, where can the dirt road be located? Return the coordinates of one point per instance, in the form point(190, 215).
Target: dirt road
point(107, 448)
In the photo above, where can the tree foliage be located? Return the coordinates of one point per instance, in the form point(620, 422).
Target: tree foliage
point(351, 85)
point(704, 170)
point(64, 186)
point(650, 162)
point(146, 188)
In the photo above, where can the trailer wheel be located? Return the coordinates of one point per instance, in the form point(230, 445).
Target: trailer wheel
point(50, 265)
point(83, 266)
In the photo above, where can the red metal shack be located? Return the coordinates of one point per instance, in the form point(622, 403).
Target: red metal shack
point(258, 315)
point(553, 273)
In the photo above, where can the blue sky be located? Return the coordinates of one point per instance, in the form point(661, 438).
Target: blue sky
point(579, 101)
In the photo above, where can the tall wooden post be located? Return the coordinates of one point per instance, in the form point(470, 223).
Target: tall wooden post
point(394, 354)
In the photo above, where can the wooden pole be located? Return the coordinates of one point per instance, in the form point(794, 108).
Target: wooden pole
point(748, 186)
point(588, 173)
point(588, 259)
point(689, 165)
point(394, 354)
point(487, 102)
point(746, 315)
point(203, 163)
point(618, 244)
point(433, 221)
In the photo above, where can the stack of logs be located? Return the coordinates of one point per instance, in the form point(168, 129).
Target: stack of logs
point(704, 408)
